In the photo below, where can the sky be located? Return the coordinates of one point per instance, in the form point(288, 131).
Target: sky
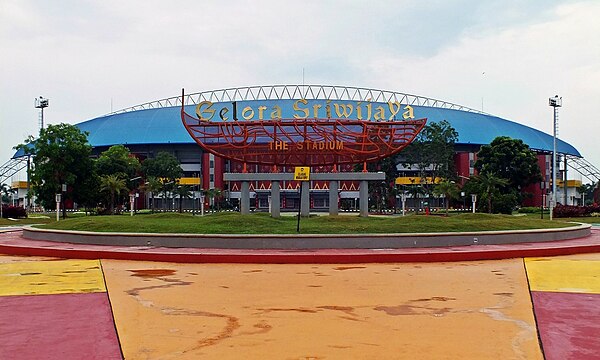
point(506, 57)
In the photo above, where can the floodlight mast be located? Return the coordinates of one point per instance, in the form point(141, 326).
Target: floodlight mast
point(41, 103)
point(555, 102)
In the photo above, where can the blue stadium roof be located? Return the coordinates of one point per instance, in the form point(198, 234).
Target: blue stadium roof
point(159, 122)
point(163, 126)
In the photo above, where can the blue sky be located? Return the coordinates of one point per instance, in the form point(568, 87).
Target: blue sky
point(508, 56)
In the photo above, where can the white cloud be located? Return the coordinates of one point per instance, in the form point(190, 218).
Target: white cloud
point(523, 66)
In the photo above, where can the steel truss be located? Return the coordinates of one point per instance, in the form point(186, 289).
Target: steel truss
point(288, 92)
point(11, 167)
point(584, 167)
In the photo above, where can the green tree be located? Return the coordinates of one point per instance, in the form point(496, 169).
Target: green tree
point(487, 186)
point(448, 189)
point(432, 152)
point(509, 159)
point(117, 160)
point(587, 192)
point(154, 186)
point(166, 168)
point(61, 155)
point(513, 161)
point(113, 185)
point(88, 191)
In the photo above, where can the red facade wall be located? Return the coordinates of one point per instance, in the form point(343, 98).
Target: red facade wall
point(461, 163)
point(536, 190)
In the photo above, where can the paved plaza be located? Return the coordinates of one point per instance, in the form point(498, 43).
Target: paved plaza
point(522, 308)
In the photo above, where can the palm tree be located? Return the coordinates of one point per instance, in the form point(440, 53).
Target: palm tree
point(447, 188)
point(217, 195)
point(489, 183)
point(212, 195)
point(183, 191)
point(153, 185)
point(113, 185)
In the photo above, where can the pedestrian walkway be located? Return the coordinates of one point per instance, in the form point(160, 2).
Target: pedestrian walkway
point(566, 298)
point(15, 244)
point(55, 309)
point(519, 308)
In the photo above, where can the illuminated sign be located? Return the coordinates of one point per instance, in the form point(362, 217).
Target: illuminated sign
point(303, 109)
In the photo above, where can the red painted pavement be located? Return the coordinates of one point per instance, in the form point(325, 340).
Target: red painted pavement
point(62, 327)
point(14, 244)
point(568, 324)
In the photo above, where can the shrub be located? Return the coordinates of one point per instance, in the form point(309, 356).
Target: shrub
point(15, 212)
point(504, 203)
point(570, 211)
point(574, 211)
point(592, 209)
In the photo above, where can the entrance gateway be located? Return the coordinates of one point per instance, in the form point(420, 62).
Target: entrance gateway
point(321, 134)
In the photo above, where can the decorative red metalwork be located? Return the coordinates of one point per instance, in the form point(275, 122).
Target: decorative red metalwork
point(299, 142)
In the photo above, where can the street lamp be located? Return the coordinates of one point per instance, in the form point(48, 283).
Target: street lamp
point(555, 102)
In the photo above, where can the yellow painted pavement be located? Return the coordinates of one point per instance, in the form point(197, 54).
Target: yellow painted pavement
point(4, 259)
point(50, 277)
point(468, 310)
point(575, 274)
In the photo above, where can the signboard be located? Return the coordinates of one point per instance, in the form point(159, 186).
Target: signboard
point(190, 181)
point(297, 132)
point(302, 173)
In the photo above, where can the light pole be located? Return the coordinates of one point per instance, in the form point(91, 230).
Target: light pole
point(555, 102)
point(133, 195)
point(41, 103)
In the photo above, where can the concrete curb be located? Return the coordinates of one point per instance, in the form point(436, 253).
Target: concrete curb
point(309, 241)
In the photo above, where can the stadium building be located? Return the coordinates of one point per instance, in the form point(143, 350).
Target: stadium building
point(156, 126)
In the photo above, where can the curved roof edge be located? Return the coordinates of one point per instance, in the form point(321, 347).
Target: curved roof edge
point(308, 92)
point(145, 124)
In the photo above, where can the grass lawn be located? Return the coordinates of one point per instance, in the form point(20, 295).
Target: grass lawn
point(234, 223)
point(586, 219)
point(35, 219)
